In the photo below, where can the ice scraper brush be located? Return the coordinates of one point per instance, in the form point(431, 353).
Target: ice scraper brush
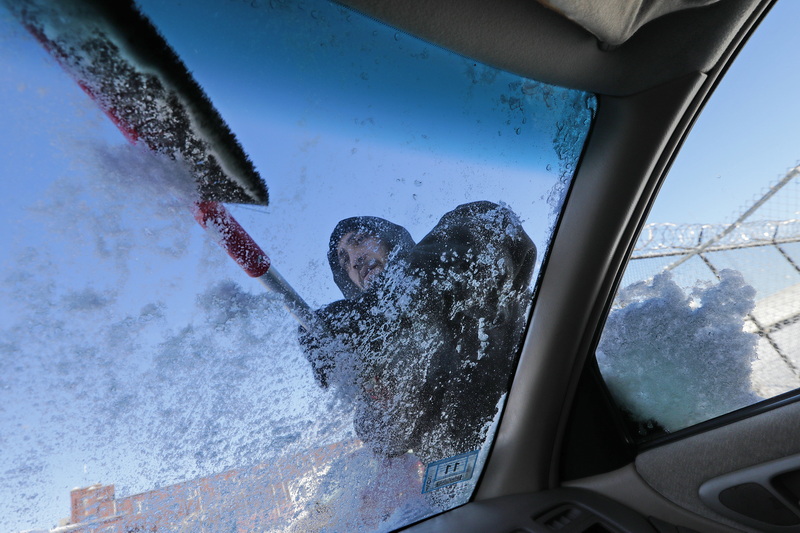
point(124, 64)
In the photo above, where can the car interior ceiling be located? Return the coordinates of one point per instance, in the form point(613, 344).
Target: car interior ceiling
point(555, 430)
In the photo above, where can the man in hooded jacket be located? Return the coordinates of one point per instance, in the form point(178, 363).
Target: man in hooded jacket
point(425, 338)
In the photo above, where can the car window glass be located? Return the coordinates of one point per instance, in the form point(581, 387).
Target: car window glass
point(149, 382)
point(705, 321)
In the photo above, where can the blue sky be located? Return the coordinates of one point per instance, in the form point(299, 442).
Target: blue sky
point(746, 136)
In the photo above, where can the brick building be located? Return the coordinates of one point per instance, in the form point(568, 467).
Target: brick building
point(248, 499)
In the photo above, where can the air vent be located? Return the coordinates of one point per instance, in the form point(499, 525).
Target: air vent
point(561, 517)
point(573, 519)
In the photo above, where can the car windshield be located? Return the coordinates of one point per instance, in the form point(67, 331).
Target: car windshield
point(150, 384)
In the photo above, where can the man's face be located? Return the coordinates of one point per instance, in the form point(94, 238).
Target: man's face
point(363, 256)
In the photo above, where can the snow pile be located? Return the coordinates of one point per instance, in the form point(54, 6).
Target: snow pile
point(676, 358)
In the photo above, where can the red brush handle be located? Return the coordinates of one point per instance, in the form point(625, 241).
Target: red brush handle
point(232, 237)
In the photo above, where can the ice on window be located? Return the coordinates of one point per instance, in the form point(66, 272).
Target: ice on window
point(144, 367)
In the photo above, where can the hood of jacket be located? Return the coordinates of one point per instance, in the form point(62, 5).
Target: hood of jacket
point(397, 239)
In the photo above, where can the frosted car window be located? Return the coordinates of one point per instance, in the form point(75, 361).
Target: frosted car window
point(705, 321)
point(150, 383)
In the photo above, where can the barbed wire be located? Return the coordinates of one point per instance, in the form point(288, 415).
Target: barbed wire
point(665, 239)
point(695, 239)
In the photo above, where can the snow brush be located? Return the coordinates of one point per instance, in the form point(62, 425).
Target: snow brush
point(122, 62)
point(243, 249)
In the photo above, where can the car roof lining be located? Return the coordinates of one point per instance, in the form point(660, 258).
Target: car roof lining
point(531, 40)
point(614, 21)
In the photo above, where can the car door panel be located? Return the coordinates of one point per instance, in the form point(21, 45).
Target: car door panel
point(676, 471)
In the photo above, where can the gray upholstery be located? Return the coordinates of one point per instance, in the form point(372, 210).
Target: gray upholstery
point(678, 469)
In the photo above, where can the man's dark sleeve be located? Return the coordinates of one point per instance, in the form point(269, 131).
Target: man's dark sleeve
point(321, 344)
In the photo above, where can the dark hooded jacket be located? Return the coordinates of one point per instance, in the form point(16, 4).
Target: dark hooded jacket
point(427, 352)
